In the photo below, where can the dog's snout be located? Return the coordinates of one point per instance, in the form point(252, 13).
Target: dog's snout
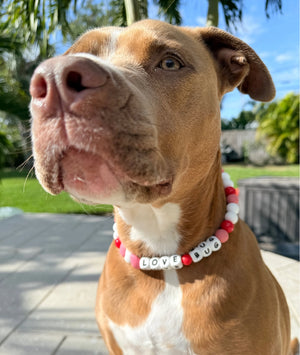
point(65, 79)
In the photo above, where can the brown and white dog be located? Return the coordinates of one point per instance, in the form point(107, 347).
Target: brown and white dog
point(131, 117)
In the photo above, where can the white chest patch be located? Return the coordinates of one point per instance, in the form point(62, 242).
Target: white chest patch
point(161, 333)
point(156, 227)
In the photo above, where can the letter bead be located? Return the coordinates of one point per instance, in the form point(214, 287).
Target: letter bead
point(164, 262)
point(205, 249)
point(196, 254)
point(175, 262)
point(154, 264)
point(214, 243)
point(145, 263)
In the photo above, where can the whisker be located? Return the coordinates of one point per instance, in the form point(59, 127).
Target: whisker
point(22, 165)
point(27, 178)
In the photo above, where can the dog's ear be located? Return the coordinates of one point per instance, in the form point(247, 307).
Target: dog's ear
point(238, 64)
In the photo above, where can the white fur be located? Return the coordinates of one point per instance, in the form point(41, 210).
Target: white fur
point(111, 48)
point(161, 333)
point(156, 227)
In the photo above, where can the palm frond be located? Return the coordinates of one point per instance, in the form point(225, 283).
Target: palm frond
point(169, 9)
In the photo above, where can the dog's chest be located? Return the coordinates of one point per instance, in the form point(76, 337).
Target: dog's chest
point(161, 332)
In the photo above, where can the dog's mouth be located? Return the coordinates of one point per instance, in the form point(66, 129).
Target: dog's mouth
point(91, 179)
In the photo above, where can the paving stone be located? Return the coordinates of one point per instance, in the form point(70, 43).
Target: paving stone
point(27, 343)
point(75, 345)
point(70, 308)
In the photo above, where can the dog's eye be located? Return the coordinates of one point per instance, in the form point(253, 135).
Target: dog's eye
point(170, 64)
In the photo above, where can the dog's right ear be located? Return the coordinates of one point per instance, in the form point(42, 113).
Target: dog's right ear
point(238, 64)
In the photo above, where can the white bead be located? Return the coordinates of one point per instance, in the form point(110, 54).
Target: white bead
point(145, 263)
point(115, 227)
point(115, 235)
point(154, 264)
point(175, 262)
point(127, 256)
point(164, 262)
point(214, 243)
point(196, 254)
point(232, 217)
point(227, 183)
point(225, 176)
point(205, 249)
point(233, 207)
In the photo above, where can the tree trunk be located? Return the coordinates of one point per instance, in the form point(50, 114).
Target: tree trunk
point(132, 11)
point(213, 13)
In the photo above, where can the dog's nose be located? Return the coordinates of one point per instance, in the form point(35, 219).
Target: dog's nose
point(65, 79)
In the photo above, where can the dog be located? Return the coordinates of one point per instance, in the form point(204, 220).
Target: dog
point(131, 117)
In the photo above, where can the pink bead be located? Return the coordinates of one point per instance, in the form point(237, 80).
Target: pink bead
point(222, 235)
point(232, 199)
point(135, 261)
point(122, 250)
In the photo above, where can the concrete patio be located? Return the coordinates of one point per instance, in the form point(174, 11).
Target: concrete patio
point(49, 268)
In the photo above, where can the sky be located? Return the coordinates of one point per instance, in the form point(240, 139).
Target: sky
point(275, 40)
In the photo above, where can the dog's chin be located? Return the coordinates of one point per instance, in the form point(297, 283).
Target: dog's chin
point(127, 194)
point(89, 179)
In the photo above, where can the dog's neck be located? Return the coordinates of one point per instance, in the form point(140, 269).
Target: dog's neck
point(179, 224)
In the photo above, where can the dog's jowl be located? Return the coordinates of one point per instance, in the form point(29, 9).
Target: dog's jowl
point(131, 117)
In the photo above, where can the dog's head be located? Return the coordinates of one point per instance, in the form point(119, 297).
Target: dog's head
point(131, 114)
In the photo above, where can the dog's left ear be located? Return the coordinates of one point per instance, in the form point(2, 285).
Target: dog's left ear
point(239, 65)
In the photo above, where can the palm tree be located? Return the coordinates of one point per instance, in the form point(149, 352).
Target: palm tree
point(130, 11)
point(279, 124)
point(38, 19)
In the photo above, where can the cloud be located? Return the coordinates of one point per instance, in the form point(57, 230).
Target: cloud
point(249, 29)
point(201, 20)
point(284, 57)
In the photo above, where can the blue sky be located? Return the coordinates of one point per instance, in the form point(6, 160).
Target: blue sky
point(275, 40)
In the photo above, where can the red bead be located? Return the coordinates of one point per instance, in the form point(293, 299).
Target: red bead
point(227, 225)
point(230, 191)
point(118, 242)
point(186, 259)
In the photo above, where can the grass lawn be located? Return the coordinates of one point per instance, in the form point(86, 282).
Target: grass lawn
point(238, 172)
point(28, 195)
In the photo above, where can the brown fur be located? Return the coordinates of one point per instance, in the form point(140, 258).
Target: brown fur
point(232, 304)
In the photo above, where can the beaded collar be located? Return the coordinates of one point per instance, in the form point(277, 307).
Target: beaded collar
point(202, 250)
